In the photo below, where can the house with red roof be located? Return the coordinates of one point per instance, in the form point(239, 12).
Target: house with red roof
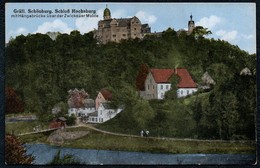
point(158, 82)
point(103, 96)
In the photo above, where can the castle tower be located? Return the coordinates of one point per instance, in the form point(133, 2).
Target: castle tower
point(107, 14)
point(191, 25)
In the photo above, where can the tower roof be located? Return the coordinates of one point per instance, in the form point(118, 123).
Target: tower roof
point(107, 12)
point(191, 21)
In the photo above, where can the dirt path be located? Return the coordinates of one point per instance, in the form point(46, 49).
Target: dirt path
point(159, 138)
point(35, 132)
point(136, 136)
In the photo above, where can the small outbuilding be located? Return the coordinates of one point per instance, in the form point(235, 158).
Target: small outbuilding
point(58, 123)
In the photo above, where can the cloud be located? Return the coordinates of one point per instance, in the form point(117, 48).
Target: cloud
point(17, 32)
point(250, 36)
point(56, 26)
point(145, 17)
point(227, 35)
point(86, 24)
point(21, 30)
point(209, 22)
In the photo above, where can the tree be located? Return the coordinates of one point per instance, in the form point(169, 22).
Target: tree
point(143, 113)
point(15, 153)
point(60, 109)
point(197, 113)
point(200, 32)
point(172, 94)
point(71, 120)
point(13, 103)
point(140, 79)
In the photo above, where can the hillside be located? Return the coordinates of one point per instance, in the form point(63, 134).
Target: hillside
point(42, 70)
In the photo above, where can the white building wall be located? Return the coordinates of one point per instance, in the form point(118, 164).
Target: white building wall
point(93, 119)
point(80, 111)
point(183, 92)
point(102, 115)
point(162, 88)
point(107, 114)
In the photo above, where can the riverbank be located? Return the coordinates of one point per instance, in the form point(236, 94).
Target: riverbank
point(103, 141)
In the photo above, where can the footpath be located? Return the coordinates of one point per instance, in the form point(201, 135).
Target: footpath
point(133, 136)
point(159, 138)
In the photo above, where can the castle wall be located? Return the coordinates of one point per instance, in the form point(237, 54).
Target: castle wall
point(111, 30)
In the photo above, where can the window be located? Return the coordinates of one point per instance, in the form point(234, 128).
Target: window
point(114, 35)
point(153, 87)
point(167, 86)
point(124, 35)
point(147, 87)
point(161, 86)
point(181, 91)
point(134, 28)
point(188, 92)
point(100, 112)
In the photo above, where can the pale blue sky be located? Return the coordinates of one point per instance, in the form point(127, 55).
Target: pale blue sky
point(233, 22)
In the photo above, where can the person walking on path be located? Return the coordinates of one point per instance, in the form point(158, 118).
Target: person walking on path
point(142, 133)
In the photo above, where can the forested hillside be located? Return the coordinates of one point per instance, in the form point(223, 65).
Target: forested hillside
point(42, 70)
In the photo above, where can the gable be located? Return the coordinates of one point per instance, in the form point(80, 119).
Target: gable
point(106, 94)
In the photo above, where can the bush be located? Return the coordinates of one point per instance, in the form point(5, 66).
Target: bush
point(71, 120)
point(15, 153)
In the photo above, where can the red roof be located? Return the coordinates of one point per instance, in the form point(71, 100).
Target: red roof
point(106, 94)
point(164, 75)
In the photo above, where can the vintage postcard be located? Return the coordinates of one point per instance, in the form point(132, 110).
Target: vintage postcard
point(130, 83)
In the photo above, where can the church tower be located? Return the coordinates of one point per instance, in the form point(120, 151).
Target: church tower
point(191, 25)
point(107, 14)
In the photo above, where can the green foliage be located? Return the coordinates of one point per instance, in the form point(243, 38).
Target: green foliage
point(60, 109)
point(58, 159)
point(200, 32)
point(71, 120)
point(143, 113)
point(41, 71)
point(172, 94)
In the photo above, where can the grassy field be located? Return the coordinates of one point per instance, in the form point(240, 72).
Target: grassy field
point(97, 140)
point(23, 127)
point(19, 114)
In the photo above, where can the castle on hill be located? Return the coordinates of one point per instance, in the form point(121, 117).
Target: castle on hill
point(115, 29)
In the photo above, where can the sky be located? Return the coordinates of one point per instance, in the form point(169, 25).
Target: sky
point(232, 22)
